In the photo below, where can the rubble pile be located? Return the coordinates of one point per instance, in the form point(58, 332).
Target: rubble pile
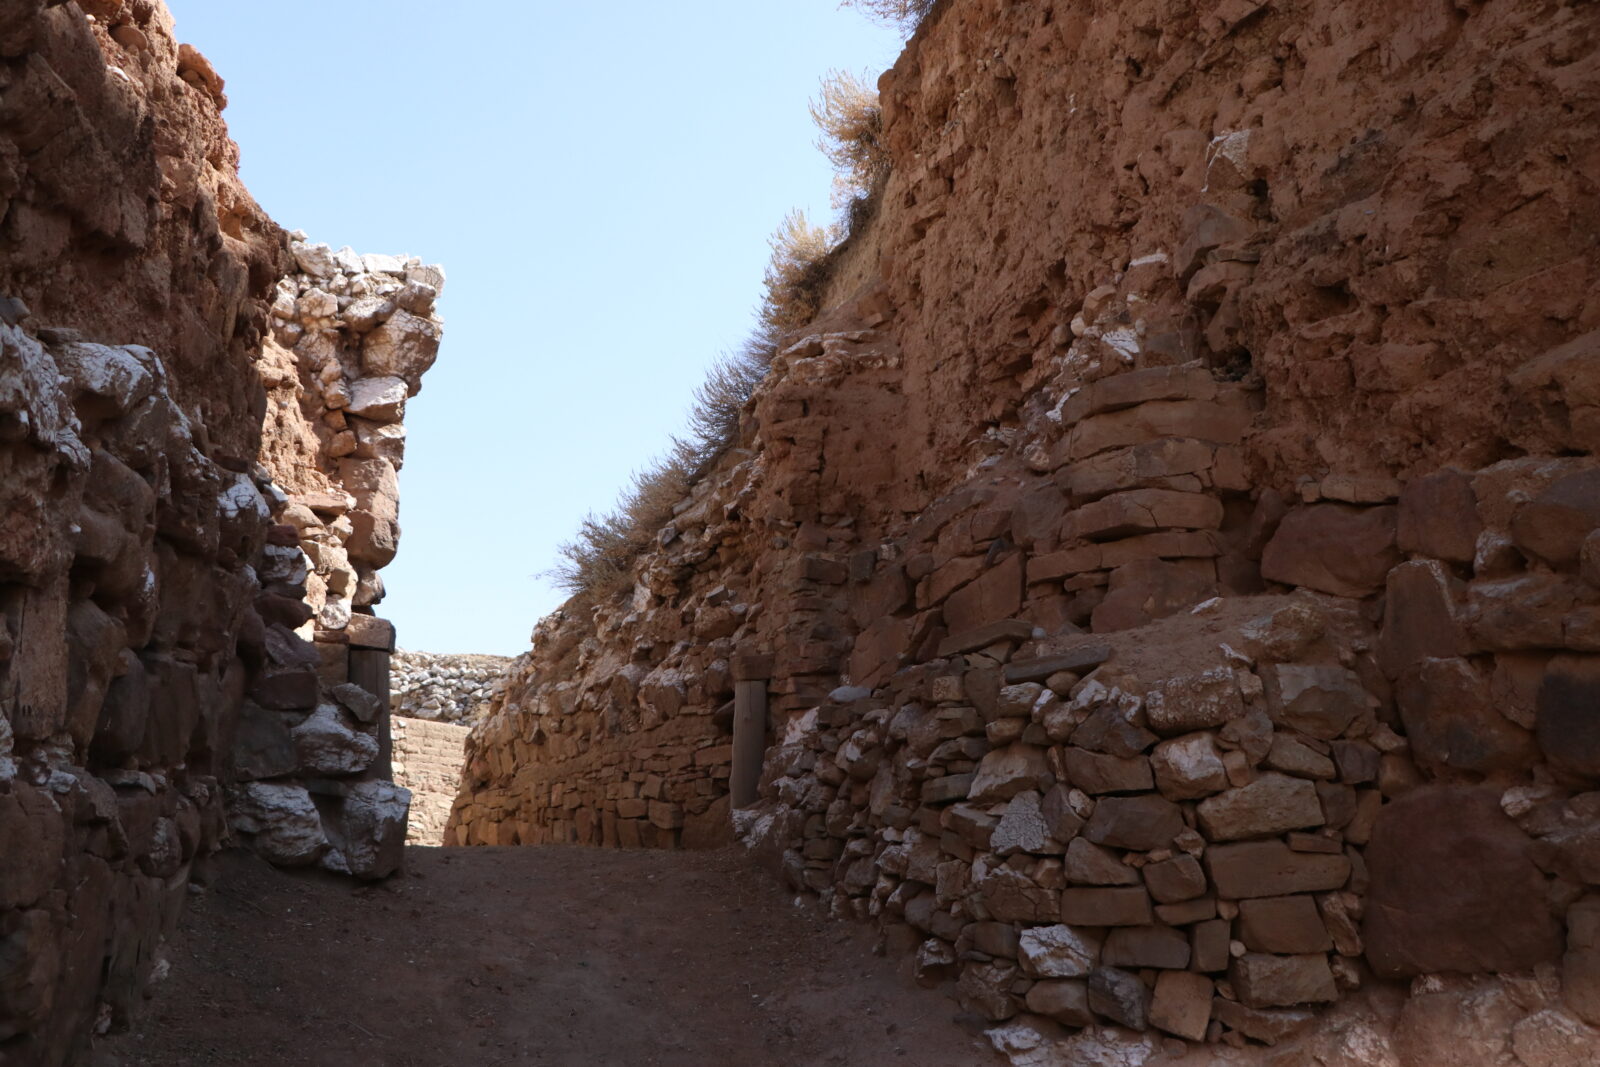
point(443, 687)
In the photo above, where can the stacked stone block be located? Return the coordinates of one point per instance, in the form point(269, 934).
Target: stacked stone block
point(428, 758)
point(446, 688)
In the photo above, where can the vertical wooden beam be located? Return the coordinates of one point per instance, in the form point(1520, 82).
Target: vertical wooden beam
point(369, 668)
point(751, 674)
point(749, 741)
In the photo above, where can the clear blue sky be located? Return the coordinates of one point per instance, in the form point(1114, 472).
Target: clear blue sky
point(599, 182)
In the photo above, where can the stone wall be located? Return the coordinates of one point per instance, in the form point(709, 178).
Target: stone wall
point(351, 338)
point(444, 687)
point(159, 696)
point(131, 512)
point(428, 757)
point(1171, 566)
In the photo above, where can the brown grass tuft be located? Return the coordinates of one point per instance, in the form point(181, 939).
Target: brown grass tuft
point(905, 15)
point(599, 559)
point(598, 562)
point(852, 135)
point(795, 275)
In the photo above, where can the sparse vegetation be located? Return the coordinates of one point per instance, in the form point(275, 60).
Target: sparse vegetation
point(599, 560)
point(905, 15)
point(847, 113)
point(795, 275)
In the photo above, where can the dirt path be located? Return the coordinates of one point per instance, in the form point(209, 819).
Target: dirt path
point(485, 957)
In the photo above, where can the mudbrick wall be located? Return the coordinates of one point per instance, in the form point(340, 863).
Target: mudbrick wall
point(186, 500)
point(1174, 571)
point(428, 757)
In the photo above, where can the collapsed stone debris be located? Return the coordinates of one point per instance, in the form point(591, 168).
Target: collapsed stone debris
point(445, 688)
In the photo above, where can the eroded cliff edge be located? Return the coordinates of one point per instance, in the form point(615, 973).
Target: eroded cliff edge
point(1172, 565)
point(199, 432)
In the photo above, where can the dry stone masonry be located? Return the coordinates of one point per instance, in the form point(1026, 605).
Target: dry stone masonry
point(345, 329)
point(428, 757)
point(1169, 570)
point(188, 537)
point(445, 688)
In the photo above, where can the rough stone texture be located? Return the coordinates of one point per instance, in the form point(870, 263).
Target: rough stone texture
point(283, 820)
point(1270, 868)
point(371, 829)
point(1333, 548)
point(1267, 272)
point(1119, 996)
point(1058, 952)
point(428, 757)
point(1568, 726)
point(1188, 768)
point(1454, 721)
point(1264, 981)
point(1284, 925)
point(1233, 347)
point(1454, 888)
point(1141, 823)
point(1271, 804)
point(1182, 1004)
point(446, 688)
point(1581, 964)
point(156, 596)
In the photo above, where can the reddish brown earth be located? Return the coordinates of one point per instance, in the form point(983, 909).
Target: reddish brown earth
point(529, 956)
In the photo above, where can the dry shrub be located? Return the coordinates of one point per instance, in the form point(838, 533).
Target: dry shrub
point(905, 15)
point(795, 275)
point(714, 415)
point(599, 561)
point(852, 135)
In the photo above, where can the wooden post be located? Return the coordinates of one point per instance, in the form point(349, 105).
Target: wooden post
point(751, 673)
point(369, 668)
point(371, 644)
point(749, 741)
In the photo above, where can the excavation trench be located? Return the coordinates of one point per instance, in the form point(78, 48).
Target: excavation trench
point(546, 955)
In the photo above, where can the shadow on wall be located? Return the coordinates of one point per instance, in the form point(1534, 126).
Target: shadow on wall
point(196, 476)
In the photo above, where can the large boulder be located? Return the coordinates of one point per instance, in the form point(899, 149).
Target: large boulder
point(1454, 888)
point(1552, 526)
point(1568, 714)
point(371, 829)
point(1333, 548)
point(282, 820)
point(1453, 721)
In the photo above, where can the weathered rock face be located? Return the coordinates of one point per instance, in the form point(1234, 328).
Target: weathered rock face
point(159, 694)
point(1179, 330)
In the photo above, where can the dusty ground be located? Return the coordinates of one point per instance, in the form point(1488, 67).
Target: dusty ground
point(483, 957)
